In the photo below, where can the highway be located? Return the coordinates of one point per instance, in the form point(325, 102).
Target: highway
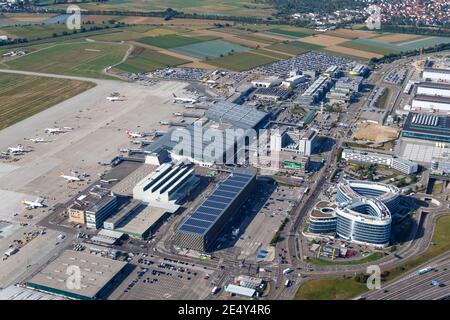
point(418, 287)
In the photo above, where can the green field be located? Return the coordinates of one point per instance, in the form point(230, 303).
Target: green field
point(241, 61)
point(330, 289)
point(85, 59)
point(224, 7)
point(289, 33)
point(172, 41)
point(209, 49)
point(382, 48)
point(145, 60)
point(294, 47)
point(23, 96)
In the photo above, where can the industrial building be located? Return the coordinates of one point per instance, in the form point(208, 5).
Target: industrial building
point(332, 72)
point(351, 190)
point(93, 208)
point(316, 91)
point(299, 142)
point(401, 165)
point(98, 276)
point(267, 82)
point(294, 80)
point(427, 127)
point(200, 229)
point(167, 185)
point(351, 83)
point(431, 103)
point(438, 75)
point(433, 89)
point(272, 94)
point(441, 164)
point(365, 221)
point(359, 70)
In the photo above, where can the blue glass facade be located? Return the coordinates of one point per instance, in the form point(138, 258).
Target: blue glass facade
point(322, 225)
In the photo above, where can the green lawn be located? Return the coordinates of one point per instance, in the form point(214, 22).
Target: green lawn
point(86, 59)
point(372, 257)
point(369, 48)
point(172, 40)
point(330, 289)
point(146, 60)
point(241, 61)
point(23, 96)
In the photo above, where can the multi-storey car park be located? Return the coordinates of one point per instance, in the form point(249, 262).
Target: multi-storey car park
point(199, 230)
point(350, 190)
point(365, 221)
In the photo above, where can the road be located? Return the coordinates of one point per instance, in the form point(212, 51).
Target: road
point(412, 286)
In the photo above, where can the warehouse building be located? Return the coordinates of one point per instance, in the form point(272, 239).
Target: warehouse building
point(98, 276)
point(434, 89)
point(200, 229)
point(316, 91)
point(167, 185)
point(427, 127)
point(431, 103)
point(437, 75)
point(268, 82)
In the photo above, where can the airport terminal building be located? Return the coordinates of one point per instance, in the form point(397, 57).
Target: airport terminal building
point(200, 229)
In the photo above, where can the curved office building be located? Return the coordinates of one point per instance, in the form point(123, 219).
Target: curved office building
point(322, 219)
point(365, 221)
point(350, 190)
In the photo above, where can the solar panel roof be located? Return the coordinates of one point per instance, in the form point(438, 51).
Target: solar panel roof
point(210, 210)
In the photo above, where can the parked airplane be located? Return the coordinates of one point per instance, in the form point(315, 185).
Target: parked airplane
point(133, 134)
point(69, 178)
point(38, 203)
point(58, 130)
point(18, 149)
point(184, 100)
point(38, 140)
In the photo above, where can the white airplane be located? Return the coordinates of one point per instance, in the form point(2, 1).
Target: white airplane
point(18, 149)
point(133, 134)
point(178, 114)
point(38, 140)
point(38, 203)
point(69, 178)
point(164, 123)
point(58, 130)
point(184, 100)
point(114, 98)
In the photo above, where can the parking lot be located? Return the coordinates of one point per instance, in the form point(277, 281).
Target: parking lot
point(162, 278)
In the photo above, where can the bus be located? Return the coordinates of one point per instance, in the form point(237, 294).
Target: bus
point(424, 270)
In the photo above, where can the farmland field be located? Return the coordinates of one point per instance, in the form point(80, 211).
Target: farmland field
point(23, 96)
point(145, 60)
point(289, 33)
point(241, 61)
point(371, 46)
point(209, 49)
point(294, 47)
point(171, 41)
point(225, 7)
point(85, 59)
point(273, 54)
